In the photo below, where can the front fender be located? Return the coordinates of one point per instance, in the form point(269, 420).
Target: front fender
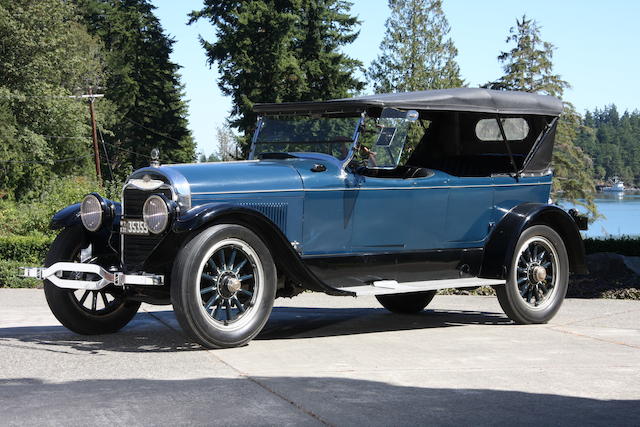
point(502, 242)
point(70, 215)
point(286, 258)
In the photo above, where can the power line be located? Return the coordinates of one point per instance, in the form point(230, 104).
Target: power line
point(151, 130)
point(65, 137)
point(80, 97)
point(128, 151)
point(47, 163)
point(106, 155)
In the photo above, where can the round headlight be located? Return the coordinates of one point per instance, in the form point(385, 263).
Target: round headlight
point(91, 212)
point(155, 213)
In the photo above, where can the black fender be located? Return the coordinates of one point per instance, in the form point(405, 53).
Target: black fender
point(66, 217)
point(104, 240)
point(502, 241)
point(70, 216)
point(284, 255)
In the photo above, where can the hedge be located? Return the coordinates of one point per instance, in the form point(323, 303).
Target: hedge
point(29, 249)
point(9, 275)
point(624, 245)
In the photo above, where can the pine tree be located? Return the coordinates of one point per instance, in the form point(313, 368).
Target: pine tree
point(279, 51)
point(528, 67)
point(416, 52)
point(143, 84)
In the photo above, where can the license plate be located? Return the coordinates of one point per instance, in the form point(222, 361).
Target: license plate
point(129, 226)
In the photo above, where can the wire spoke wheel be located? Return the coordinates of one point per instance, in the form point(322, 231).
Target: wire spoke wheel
point(536, 272)
point(229, 283)
point(99, 302)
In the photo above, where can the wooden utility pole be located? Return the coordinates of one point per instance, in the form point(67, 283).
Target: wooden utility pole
point(94, 135)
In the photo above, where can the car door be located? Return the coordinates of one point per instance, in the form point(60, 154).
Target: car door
point(395, 214)
point(469, 211)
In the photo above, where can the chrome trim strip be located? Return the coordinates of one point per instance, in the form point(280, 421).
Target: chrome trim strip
point(369, 188)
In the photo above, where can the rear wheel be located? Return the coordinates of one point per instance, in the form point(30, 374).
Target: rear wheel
point(538, 277)
point(409, 303)
point(223, 286)
point(85, 312)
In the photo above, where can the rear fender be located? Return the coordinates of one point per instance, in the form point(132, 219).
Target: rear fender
point(502, 242)
point(286, 258)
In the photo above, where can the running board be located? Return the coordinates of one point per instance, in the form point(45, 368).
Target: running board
point(383, 287)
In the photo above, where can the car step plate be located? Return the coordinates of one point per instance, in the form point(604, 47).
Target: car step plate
point(383, 287)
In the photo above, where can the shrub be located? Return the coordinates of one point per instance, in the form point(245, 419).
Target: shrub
point(34, 216)
point(624, 245)
point(9, 275)
point(26, 249)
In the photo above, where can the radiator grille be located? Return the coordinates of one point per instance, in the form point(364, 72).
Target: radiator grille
point(136, 249)
point(134, 200)
point(276, 212)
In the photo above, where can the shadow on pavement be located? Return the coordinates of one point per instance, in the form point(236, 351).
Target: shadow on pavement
point(294, 400)
point(305, 322)
point(160, 332)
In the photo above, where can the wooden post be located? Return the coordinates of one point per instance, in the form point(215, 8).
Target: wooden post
point(94, 134)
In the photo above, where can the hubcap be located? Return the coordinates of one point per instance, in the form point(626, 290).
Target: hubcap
point(229, 283)
point(536, 272)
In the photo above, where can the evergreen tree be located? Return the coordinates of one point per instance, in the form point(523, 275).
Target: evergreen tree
point(416, 52)
point(142, 83)
point(46, 56)
point(613, 142)
point(528, 67)
point(279, 51)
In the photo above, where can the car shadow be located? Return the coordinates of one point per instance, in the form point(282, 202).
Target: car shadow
point(306, 322)
point(280, 400)
point(158, 331)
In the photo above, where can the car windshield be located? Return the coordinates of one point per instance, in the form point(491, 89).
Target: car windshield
point(296, 134)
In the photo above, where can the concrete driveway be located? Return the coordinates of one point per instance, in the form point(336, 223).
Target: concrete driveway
point(328, 360)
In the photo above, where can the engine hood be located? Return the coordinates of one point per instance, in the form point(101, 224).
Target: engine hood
point(225, 177)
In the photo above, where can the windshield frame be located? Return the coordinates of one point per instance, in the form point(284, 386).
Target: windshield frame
point(352, 148)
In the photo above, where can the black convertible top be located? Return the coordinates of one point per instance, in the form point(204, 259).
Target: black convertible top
point(462, 99)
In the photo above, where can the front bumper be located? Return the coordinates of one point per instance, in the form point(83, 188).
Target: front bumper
point(102, 277)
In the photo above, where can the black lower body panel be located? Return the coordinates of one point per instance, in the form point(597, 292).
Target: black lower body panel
point(362, 269)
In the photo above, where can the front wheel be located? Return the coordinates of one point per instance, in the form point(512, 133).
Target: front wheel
point(223, 286)
point(85, 312)
point(538, 277)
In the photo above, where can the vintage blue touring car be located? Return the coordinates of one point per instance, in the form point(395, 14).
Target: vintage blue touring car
point(393, 195)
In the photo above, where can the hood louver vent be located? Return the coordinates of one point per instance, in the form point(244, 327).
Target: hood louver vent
point(276, 212)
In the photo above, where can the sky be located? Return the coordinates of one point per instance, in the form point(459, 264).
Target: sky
point(597, 49)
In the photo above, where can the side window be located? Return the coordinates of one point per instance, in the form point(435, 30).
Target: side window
point(516, 129)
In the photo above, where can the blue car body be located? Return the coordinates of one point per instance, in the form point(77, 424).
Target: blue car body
point(332, 226)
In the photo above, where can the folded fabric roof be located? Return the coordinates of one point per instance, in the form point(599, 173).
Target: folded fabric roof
point(462, 99)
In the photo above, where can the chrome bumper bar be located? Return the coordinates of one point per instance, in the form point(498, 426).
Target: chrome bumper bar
point(103, 277)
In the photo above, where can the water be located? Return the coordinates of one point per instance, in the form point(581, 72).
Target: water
point(621, 213)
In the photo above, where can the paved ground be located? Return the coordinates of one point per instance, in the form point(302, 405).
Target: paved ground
point(328, 360)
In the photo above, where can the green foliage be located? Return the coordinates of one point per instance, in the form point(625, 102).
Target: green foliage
point(613, 142)
point(46, 56)
point(9, 277)
point(142, 84)
point(625, 245)
point(278, 51)
point(28, 249)
point(416, 52)
point(528, 67)
point(34, 216)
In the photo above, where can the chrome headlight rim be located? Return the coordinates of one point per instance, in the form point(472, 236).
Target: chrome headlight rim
point(162, 213)
point(93, 211)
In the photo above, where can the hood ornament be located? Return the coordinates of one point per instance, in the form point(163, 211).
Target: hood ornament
point(155, 156)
